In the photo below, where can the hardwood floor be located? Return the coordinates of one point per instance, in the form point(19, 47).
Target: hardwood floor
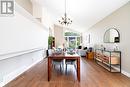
point(92, 75)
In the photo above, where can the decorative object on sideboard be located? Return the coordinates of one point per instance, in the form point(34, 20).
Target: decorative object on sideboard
point(116, 47)
point(116, 39)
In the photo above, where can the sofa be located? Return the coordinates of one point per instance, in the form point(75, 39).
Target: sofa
point(82, 51)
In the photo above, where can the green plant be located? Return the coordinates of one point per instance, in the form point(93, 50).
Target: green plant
point(50, 40)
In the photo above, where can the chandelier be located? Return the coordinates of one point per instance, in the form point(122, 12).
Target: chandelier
point(65, 20)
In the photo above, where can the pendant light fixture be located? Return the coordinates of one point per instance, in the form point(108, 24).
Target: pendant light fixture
point(65, 20)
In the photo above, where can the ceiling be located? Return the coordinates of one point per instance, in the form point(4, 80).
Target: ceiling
point(84, 13)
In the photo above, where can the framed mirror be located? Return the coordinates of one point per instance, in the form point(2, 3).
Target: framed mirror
point(112, 35)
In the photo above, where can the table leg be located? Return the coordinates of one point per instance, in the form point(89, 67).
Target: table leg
point(78, 69)
point(49, 68)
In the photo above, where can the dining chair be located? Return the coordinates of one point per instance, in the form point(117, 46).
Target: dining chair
point(59, 63)
point(70, 62)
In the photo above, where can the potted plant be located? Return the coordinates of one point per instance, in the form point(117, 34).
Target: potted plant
point(50, 40)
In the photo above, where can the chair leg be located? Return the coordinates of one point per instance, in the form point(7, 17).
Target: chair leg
point(54, 66)
point(66, 69)
point(75, 66)
point(60, 67)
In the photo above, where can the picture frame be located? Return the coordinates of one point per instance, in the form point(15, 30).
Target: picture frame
point(88, 38)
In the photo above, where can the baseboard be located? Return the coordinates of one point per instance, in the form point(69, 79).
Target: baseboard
point(123, 72)
point(15, 74)
point(126, 73)
point(1, 84)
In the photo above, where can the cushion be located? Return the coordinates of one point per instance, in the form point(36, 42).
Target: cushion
point(79, 47)
point(85, 48)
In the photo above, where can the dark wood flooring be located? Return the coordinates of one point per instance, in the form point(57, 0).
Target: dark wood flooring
point(92, 75)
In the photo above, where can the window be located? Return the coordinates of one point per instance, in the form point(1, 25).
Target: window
point(72, 39)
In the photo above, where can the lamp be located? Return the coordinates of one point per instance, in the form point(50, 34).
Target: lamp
point(65, 20)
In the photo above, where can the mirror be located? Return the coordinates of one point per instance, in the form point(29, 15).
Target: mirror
point(112, 36)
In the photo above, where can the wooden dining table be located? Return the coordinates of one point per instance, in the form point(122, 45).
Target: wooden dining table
point(55, 56)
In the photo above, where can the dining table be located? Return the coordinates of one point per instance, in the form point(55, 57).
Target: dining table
point(55, 56)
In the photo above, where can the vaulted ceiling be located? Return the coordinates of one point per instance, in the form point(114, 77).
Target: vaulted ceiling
point(84, 13)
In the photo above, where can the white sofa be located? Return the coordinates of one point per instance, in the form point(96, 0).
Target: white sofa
point(81, 52)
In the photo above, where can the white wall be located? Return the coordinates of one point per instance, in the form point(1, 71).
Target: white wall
point(18, 33)
point(18, 36)
point(120, 19)
point(47, 18)
point(59, 35)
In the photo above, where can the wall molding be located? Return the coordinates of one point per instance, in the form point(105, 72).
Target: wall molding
point(8, 78)
point(18, 53)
